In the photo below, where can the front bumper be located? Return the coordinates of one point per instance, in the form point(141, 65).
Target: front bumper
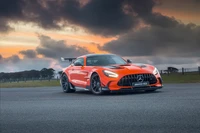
point(113, 86)
point(133, 88)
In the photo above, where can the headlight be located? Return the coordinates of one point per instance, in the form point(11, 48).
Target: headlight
point(155, 71)
point(110, 74)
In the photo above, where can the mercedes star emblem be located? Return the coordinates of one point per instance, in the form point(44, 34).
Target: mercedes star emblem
point(140, 78)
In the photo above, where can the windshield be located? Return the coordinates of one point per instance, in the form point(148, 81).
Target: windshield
point(104, 60)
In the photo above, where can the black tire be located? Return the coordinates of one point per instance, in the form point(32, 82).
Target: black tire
point(151, 90)
point(95, 84)
point(66, 85)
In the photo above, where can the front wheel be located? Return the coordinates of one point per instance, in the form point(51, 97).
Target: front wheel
point(95, 84)
point(64, 81)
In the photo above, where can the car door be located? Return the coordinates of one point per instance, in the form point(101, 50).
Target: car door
point(83, 75)
point(77, 74)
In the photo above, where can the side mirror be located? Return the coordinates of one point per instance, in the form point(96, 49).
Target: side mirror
point(129, 61)
point(78, 64)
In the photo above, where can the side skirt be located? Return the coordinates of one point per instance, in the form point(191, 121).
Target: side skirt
point(103, 88)
point(81, 88)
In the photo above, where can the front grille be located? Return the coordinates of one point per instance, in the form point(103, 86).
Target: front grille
point(129, 79)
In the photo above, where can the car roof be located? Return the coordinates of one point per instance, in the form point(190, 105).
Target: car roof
point(91, 55)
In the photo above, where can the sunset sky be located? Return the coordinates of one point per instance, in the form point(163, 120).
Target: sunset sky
point(35, 33)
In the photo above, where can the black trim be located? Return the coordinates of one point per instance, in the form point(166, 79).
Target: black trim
point(106, 88)
point(103, 88)
point(160, 80)
point(127, 80)
point(140, 88)
point(88, 87)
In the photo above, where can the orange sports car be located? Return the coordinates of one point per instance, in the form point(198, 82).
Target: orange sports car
point(101, 73)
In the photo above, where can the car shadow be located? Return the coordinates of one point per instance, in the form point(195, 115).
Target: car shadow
point(118, 93)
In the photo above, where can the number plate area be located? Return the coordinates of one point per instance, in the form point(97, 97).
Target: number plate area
point(140, 84)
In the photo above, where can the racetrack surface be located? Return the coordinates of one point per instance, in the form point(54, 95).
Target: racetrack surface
point(175, 108)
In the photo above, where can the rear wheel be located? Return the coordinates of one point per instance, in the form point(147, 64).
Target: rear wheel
point(95, 84)
point(66, 86)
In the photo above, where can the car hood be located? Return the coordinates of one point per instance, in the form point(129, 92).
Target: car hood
point(131, 68)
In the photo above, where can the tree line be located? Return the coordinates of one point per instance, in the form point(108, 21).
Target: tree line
point(49, 73)
point(45, 73)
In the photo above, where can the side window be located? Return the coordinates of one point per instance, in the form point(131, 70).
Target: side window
point(79, 62)
point(91, 61)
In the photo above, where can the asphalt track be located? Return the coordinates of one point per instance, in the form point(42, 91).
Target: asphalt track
point(173, 109)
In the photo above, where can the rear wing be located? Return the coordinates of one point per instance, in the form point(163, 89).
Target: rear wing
point(66, 58)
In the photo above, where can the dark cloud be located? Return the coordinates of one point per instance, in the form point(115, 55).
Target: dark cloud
point(10, 10)
point(29, 53)
point(164, 37)
point(157, 19)
point(14, 63)
point(25, 64)
point(173, 61)
point(26, 11)
point(51, 49)
point(156, 60)
point(38, 63)
point(104, 17)
point(163, 62)
point(55, 49)
point(4, 27)
point(173, 40)
point(11, 59)
point(188, 6)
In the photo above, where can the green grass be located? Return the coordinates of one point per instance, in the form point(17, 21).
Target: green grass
point(43, 83)
point(172, 78)
point(179, 78)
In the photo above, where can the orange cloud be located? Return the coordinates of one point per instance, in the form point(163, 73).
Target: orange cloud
point(72, 38)
point(7, 51)
point(185, 10)
point(183, 16)
point(81, 38)
point(84, 40)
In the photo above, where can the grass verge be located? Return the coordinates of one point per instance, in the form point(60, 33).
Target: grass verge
point(179, 78)
point(172, 78)
point(44, 83)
